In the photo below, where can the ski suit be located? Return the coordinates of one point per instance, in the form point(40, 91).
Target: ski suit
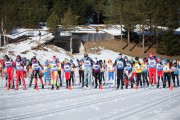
point(87, 70)
point(9, 69)
point(67, 72)
point(46, 71)
point(159, 69)
point(54, 74)
point(137, 67)
point(145, 74)
point(120, 64)
point(96, 70)
point(19, 66)
point(128, 74)
point(166, 71)
point(152, 70)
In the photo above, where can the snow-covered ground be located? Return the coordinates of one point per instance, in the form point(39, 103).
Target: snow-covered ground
point(93, 104)
point(79, 104)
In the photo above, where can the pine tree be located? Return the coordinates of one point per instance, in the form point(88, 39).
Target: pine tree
point(52, 22)
point(69, 19)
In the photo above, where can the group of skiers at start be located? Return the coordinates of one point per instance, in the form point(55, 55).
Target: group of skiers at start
point(122, 73)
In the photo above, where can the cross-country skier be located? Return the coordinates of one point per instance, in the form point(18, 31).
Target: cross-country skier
point(145, 72)
point(46, 71)
point(72, 71)
point(67, 71)
point(59, 71)
point(96, 71)
point(159, 68)
point(36, 67)
point(81, 72)
point(88, 62)
point(54, 73)
point(152, 69)
point(128, 73)
point(138, 68)
point(166, 72)
point(175, 73)
point(120, 64)
point(8, 63)
point(110, 71)
point(103, 68)
point(19, 66)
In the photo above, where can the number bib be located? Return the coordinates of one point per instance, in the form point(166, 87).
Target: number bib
point(87, 63)
point(96, 67)
point(35, 67)
point(8, 64)
point(128, 66)
point(54, 67)
point(120, 65)
point(159, 66)
point(18, 66)
point(67, 68)
point(152, 63)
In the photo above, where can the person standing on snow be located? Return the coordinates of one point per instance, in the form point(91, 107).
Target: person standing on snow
point(81, 72)
point(19, 66)
point(8, 63)
point(97, 72)
point(110, 71)
point(67, 71)
point(166, 72)
point(46, 71)
point(159, 68)
point(103, 68)
point(59, 71)
point(88, 62)
point(72, 71)
point(36, 67)
point(120, 65)
point(145, 72)
point(138, 68)
point(54, 73)
point(152, 69)
point(175, 73)
point(128, 73)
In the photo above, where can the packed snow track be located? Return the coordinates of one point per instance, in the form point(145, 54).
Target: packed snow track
point(93, 104)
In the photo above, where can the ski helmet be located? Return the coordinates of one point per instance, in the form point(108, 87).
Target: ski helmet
point(65, 59)
point(85, 55)
point(136, 58)
point(6, 57)
point(71, 60)
point(18, 57)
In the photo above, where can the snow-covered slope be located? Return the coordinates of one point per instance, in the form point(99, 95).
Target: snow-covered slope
point(79, 104)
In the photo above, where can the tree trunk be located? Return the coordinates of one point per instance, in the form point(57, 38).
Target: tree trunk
point(98, 17)
point(128, 40)
point(121, 36)
point(142, 39)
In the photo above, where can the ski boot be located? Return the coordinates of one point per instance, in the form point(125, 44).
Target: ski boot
point(57, 88)
point(12, 87)
point(52, 88)
point(24, 88)
point(16, 87)
point(42, 86)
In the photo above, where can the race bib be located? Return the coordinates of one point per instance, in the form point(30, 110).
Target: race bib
point(35, 66)
point(120, 64)
point(137, 66)
point(96, 66)
point(7, 64)
point(87, 63)
point(66, 67)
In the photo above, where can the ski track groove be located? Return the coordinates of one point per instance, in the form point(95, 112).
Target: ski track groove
point(80, 104)
point(144, 107)
point(50, 100)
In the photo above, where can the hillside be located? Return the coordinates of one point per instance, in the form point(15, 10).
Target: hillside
point(115, 45)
